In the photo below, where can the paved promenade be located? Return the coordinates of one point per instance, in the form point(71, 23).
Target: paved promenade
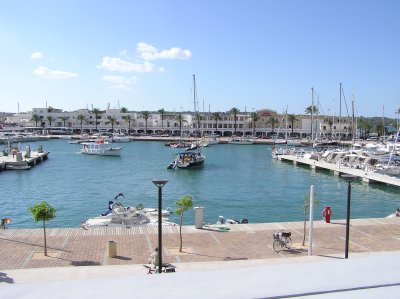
point(235, 264)
point(71, 247)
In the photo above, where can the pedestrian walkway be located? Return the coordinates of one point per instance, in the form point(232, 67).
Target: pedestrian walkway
point(239, 263)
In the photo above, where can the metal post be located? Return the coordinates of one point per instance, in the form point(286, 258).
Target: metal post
point(346, 252)
point(349, 178)
point(159, 184)
point(159, 229)
point(310, 232)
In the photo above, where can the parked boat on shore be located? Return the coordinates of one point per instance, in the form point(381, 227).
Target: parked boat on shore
point(119, 215)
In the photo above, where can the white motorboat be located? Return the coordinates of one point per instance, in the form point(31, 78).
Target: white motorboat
point(119, 138)
point(100, 148)
point(191, 158)
point(118, 215)
point(18, 166)
point(241, 140)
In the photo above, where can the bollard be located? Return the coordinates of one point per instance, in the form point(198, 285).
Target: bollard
point(112, 249)
point(198, 217)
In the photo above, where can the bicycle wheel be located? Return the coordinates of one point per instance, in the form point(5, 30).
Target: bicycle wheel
point(288, 242)
point(277, 246)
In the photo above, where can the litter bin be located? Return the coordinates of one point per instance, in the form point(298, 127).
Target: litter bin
point(112, 249)
point(198, 217)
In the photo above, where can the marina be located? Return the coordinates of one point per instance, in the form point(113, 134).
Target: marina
point(236, 182)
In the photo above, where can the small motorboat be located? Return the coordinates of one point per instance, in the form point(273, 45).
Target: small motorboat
point(191, 158)
point(18, 167)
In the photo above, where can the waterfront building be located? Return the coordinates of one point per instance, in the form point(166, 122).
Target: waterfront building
point(266, 123)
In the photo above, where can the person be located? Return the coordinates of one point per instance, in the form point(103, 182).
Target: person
point(397, 213)
point(153, 259)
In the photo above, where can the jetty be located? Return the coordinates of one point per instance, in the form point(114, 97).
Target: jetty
point(17, 159)
point(338, 170)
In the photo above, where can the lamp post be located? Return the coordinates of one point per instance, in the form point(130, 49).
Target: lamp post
point(349, 178)
point(159, 184)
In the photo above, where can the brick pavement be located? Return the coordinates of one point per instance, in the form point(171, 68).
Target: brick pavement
point(67, 247)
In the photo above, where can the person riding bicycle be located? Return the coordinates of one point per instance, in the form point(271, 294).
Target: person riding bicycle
point(153, 258)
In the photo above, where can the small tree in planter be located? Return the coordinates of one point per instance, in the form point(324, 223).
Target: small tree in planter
point(43, 212)
point(306, 205)
point(184, 204)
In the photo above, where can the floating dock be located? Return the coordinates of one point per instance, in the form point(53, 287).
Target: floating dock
point(368, 177)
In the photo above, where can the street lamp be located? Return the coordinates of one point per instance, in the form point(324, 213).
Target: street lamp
point(159, 184)
point(349, 178)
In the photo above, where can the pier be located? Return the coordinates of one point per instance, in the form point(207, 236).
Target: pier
point(368, 177)
point(16, 159)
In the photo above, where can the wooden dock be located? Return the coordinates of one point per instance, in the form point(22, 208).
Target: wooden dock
point(368, 177)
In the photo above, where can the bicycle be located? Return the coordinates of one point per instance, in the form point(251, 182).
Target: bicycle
point(165, 268)
point(281, 240)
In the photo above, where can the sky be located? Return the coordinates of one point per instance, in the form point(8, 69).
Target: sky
point(252, 55)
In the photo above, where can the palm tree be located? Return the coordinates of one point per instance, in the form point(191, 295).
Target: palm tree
point(181, 119)
point(112, 120)
point(216, 116)
point(272, 121)
point(36, 119)
point(184, 204)
point(64, 119)
point(254, 119)
point(81, 118)
point(146, 115)
point(198, 118)
point(234, 111)
point(292, 118)
point(50, 119)
point(311, 110)
point(162, 112)
point(128, 118)
point(96, 112)
point(124, 110)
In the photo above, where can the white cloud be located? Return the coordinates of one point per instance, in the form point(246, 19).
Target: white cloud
point(37, 55)
point(48, 73)
point(120, 81)
point(148, 52)
point(117, 64)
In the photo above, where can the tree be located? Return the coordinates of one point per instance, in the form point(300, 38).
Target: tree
point(36, 119)
point(234, 111)
point(96, 113)
point(162, 113)
point(198, 118)
point(292, 118)
point(181, 119)
point(272, 121)
point(128, 118)
point(146, 115)
point(311, 110)
point(81, 118)
point(124, 110)
point(184, 204)
point(50, 119)
point(306, 205)
point(112, 120)
point(43, 212)
point(254, 119)
point(64, 119)
point(216, 116)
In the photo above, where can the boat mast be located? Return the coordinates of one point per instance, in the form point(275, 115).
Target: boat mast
point(340, 112)
point(312, 112)
point(353, 122)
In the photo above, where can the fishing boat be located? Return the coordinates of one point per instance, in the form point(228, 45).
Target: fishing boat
point(118, 215)
point(100, 148)
point(191, 158)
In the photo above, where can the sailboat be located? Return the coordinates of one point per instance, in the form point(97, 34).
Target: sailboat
point(193, 157)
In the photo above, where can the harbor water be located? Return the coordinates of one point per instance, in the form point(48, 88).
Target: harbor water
point(236, 181)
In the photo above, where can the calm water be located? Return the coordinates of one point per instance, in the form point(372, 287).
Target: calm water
point(236, 181)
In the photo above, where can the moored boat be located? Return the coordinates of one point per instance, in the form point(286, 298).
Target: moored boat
point(100, 148)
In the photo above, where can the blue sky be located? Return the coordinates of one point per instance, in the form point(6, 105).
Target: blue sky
point(245, 54)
